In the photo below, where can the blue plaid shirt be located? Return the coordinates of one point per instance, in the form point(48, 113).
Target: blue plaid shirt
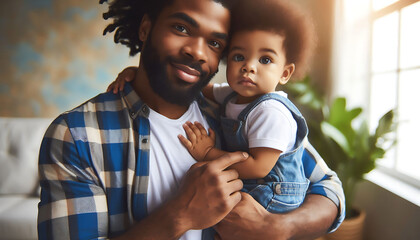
point(94, 169)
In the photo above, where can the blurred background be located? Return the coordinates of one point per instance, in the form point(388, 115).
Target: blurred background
point(53, 57)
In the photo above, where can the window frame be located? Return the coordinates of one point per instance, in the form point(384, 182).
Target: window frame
point(397, 6)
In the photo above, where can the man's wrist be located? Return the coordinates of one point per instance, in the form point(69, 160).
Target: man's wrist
point(180, 223)
point(285, 224)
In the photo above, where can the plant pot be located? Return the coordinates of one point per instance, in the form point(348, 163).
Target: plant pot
point(350, 229)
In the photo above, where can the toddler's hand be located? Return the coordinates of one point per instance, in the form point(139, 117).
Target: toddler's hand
point(199, 143)
point(127, 75)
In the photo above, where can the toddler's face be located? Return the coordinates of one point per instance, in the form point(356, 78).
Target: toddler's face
point(256, 63)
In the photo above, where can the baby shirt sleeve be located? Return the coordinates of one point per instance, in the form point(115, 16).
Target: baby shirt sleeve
point(271, 125)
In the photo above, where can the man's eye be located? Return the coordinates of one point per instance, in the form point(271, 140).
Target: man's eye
point(238, 57)
point(265, 60)
point(215, 44)
point(180, 28)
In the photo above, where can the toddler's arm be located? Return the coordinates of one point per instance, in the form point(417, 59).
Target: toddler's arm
point(201, 146)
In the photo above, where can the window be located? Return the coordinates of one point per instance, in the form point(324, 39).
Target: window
point(395, 80)
point(376, 64)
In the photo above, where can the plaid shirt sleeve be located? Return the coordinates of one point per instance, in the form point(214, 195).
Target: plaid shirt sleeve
point(324, 181)
point(73, 204)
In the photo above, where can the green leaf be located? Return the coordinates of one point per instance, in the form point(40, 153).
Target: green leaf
point(386, 124)
point(377, 153)
point(335, 134)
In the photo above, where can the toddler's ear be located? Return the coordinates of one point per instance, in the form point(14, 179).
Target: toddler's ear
point(288, 71)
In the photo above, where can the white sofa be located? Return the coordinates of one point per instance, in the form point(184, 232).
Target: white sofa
point(20, 139)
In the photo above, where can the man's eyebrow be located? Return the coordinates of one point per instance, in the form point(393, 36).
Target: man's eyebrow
point(186, 18)
point(222, 36)
point(192, 22)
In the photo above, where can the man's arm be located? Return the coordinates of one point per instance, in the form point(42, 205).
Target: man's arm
point(322, 210)
point(73, 204)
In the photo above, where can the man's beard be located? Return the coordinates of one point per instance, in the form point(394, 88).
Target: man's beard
point(177, 92)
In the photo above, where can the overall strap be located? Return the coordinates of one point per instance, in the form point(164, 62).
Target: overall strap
point(269, 96)
point(225, 102)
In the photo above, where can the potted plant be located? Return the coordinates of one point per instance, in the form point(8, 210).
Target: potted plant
point(347, 146)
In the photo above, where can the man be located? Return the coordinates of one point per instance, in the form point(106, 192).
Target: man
point(114, 167)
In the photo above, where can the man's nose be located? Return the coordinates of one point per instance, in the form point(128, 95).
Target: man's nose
point(196, 49)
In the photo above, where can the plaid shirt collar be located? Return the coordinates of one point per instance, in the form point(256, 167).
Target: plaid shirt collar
point(135, 105)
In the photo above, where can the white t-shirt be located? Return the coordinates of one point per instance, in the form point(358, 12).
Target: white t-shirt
point(270, 124)
point(169, 159)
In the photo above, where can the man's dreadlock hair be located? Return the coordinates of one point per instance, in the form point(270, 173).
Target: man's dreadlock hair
point(127, 16)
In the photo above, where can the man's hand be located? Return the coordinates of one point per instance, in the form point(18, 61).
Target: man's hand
point(209, 192)
point(199, 143)
point(249, 220)
point(246, 221)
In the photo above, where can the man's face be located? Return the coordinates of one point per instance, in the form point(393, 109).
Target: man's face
point(183, 48)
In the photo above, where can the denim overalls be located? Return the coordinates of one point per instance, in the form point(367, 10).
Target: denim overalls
point(284, 188)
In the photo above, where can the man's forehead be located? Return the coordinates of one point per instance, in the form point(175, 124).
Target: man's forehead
point(204, 7)
point(200, 12)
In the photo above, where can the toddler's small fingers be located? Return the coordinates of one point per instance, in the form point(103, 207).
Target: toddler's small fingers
point(194, 128)
point(212, 134)
point(108, 88)
point(185, 141)
point(190, 133)
point(201, 128)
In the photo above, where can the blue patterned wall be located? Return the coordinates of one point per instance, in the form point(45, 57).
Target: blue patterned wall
point(53, 56)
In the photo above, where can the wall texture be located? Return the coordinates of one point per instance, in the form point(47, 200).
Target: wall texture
point(388, 216)
point(53, 56)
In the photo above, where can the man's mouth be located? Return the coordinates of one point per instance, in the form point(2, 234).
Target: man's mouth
point(186, 73)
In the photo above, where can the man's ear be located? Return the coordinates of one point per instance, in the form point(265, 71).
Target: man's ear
point(145, 27)
point(288, 71)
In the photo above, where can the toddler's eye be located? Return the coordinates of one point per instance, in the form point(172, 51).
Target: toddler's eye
point(180, 28)
point(238, 57)
point(265, 60)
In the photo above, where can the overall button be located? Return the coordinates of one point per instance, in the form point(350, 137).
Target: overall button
point(277, 189)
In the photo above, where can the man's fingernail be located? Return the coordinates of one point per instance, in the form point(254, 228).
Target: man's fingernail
point(245, 154)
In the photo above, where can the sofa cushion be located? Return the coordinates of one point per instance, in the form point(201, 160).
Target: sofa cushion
point(20, 139)
point(18, 217)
